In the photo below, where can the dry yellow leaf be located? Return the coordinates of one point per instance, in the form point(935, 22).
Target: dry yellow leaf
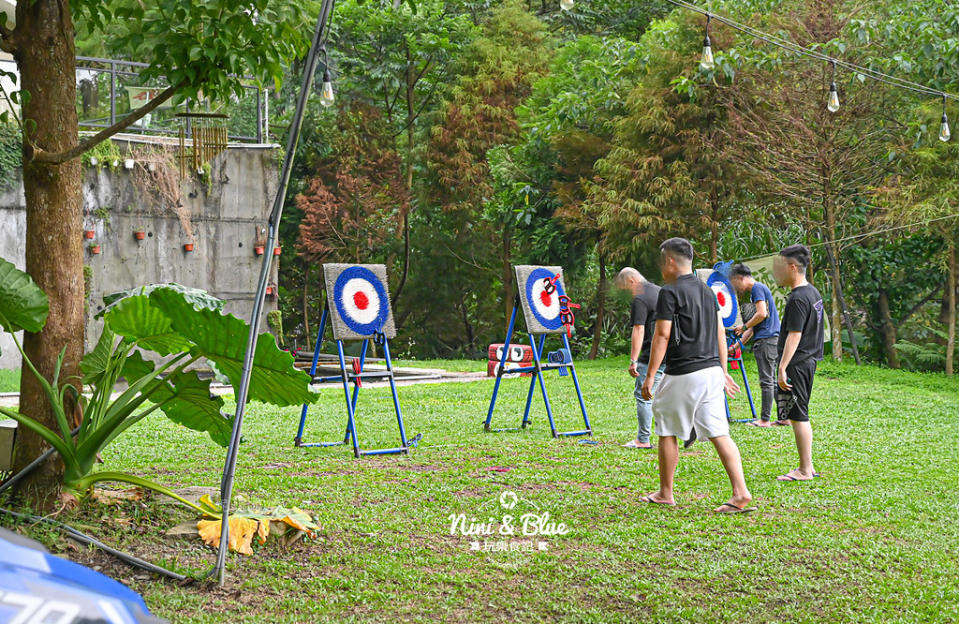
point(262, 530)
point(241, 533)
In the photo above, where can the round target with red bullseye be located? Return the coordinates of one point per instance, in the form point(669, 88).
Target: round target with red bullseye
point(361, 300)
point(543, 292)
point(725, 295)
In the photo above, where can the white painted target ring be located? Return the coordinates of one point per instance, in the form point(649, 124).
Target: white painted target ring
point(725, 296)
point(361, 300)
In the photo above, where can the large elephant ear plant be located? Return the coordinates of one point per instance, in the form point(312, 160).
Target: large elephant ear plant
point(179, 326)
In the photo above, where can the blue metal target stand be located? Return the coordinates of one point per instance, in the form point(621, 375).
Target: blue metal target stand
point(358, 308)
point(545, 304)
point(731, 340)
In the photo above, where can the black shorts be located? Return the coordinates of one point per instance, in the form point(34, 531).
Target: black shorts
point(794, 405)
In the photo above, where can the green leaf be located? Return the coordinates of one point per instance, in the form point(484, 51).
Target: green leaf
point(222, 338)
point(22, 304)
point(200, 299)
point(137, 319)
point(186, 400)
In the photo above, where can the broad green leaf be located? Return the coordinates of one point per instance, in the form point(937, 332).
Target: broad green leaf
point(200, 299)
point(186, 400)
point(96, 362)
point(22, 304)
point(137, 319)
point(222, 339)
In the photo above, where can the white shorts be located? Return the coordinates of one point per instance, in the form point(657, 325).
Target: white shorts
point(692, 400)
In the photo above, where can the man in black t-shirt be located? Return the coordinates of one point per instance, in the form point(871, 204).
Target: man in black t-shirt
point(642, 317)
point(800, 348)
point(690, 396)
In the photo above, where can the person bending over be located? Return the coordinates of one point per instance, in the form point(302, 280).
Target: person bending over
point(763, 329)
point(642, 315)
point(800, 348)
point(690, 397)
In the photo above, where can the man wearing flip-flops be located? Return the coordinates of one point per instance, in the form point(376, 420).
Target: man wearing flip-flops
point(690, 396)
point(800, 348)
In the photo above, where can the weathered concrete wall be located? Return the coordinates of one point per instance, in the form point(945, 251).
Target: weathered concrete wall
point(226, 217)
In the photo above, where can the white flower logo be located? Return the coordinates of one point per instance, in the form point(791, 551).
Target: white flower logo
point(508, 499)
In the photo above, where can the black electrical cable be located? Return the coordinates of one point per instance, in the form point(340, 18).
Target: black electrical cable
point(798, 49)
point(86, 539)
point(75, 534)
point(229, 470)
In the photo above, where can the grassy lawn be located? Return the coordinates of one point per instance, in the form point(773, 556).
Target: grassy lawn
point(9, 380)
point(876, 539)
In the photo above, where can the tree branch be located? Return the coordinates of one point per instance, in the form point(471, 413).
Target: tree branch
point(34, 153)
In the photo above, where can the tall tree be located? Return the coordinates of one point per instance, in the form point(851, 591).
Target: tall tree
point(182, 47)
point(662, 176)
point(503, 63)
point(801, 158)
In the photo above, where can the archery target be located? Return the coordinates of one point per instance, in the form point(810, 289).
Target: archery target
point(539, 299)
point(358, 301)
point(726, 296)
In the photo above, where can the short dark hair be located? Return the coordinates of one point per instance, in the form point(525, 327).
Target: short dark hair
point(798, 255)
point(677, 246)
point(740, 270)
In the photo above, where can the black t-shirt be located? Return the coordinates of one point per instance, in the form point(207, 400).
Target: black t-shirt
point(643, 312)
point(694, 339)
point(803, 313)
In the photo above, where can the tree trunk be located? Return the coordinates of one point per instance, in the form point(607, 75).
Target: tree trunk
point(306, 305)
point(888, 331)
point(600, 309)
point(507, 275)
point(54, 237)
point(839, 307)
point(951, 316)
point(835, 322)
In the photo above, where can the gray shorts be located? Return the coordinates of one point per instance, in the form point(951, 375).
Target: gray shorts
point(694, 400)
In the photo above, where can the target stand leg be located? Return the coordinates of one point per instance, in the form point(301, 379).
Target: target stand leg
point(579, 394)
point(749, 394)
point(298, 441)
point(500, 371)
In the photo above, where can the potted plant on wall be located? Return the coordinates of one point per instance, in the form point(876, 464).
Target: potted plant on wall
point(188, 247)
point(95, 249)
point(139, 233)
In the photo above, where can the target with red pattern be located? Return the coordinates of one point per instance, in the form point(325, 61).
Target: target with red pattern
point(541, 292)
point(358, 301)
point(726, 296)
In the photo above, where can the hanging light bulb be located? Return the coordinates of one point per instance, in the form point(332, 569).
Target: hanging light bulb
point(326, 92)
point(707, 63)
point(832, 104)
point(566, 5)
point(944, 133)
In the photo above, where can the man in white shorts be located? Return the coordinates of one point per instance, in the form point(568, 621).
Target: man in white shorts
point(690, 396)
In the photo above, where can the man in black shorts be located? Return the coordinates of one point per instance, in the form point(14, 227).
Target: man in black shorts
point(800, 348)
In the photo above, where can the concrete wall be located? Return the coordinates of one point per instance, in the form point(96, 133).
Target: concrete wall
point(226, 220)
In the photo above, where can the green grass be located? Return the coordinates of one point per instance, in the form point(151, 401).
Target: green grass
point(876, 539)
point(9, 380)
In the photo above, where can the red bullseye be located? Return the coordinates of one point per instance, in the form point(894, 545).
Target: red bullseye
point(360, 300)
point(721, 296)
point(545, 298)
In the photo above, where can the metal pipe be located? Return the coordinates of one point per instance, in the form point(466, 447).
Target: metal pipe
point(229, 469)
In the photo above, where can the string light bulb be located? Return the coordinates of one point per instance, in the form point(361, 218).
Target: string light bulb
point(707, 63)
point(326, 92)
point(832, 104)
point(944, 133)
point(566, 5)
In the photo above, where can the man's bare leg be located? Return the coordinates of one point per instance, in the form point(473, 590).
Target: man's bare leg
point(668, 458)
point(805, 472)
point(733, 463)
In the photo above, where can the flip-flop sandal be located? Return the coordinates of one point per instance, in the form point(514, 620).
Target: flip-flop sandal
point(788, 477)
point(649, 499)
point(735, 509)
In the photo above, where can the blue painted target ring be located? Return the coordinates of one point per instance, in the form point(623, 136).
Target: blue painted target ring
point(725, 296)
point(543, 299)
point(361, 300)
